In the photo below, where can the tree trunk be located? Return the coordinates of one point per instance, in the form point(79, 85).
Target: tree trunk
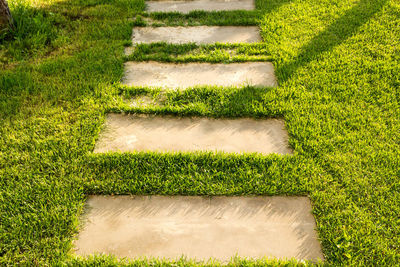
point(5, 15)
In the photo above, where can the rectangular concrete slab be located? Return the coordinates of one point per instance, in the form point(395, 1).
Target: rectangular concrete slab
point(182, 76)
point(197, 34)
point(172, 134)
point(199, 227)
point(204, 5)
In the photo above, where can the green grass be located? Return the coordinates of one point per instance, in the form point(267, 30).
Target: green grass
point(338, 66)
point(164, 52)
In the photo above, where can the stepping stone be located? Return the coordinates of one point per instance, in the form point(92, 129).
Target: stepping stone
point(199, 227)
point(197, 34)
point(154, 74)
point(167, 133)
point(204, 5)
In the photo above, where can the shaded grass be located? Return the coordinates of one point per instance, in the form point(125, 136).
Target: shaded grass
point(217, 18)
point(164, 52)
point(339, 95)
point(208, 101)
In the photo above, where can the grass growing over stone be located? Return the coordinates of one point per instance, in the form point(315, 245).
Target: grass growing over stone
point(337, 63)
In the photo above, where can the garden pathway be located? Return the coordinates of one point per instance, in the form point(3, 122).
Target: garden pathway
point(197, 227)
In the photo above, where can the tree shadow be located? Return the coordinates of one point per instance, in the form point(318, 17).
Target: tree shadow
point(334, 35)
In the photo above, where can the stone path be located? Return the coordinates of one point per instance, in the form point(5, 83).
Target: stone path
point(182, 76)
point(197, 34)
point(168, 134)
point(199, 227)
point(204, 5)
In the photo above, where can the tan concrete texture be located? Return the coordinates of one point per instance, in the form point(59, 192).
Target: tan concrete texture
point(142, 102)
point(182, 76)
point(129, 50)
point(199, 227)
point(126, 133)
point(204, 5)
point(197, 34)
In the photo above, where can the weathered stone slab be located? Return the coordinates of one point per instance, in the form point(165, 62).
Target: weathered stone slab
point(199, 227)
point(154, 74)
point(197, 34)
point(204, 5)
point(168, 133)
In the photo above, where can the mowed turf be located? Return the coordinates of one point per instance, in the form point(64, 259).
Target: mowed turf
point(337, 63)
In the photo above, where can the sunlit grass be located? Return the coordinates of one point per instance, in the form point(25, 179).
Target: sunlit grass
point(337, 63)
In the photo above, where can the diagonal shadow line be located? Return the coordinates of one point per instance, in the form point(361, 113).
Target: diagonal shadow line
point(335, 34)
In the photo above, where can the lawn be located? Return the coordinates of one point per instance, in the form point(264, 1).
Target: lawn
point(338, 68)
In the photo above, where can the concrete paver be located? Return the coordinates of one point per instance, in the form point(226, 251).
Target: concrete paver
point(196, 34)
point(199, 227)
point(205, 5)
point(182, 76)
point(172, 134)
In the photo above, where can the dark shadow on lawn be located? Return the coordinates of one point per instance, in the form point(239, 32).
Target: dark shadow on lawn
point(334, 35)
point(270, 5)
point(222, 102)
point(221, 18)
